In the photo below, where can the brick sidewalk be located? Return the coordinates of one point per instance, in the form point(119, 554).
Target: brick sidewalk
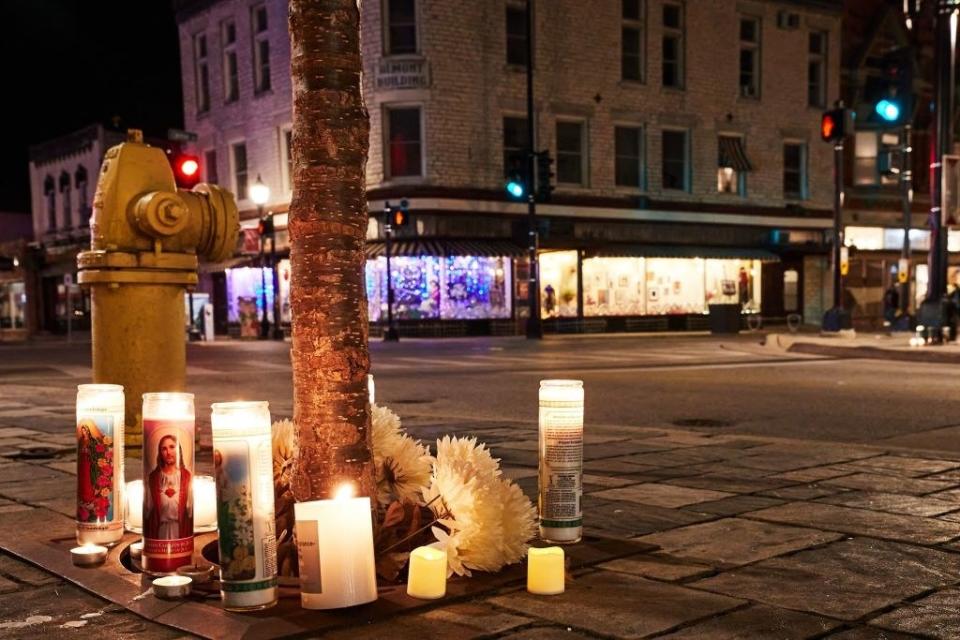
point(755, 538)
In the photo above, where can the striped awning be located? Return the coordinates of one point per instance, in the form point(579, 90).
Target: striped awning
point(681, 251)
point(732, 154)
point(445, 247)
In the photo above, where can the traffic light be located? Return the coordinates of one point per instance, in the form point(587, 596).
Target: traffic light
point(835, 125)
point(516, 185)
point(265, 226)
point(186, 170)
point(544, 174)
point(400, 215)
point(894, 100)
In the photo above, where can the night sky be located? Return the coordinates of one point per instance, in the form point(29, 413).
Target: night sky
point(70, 63)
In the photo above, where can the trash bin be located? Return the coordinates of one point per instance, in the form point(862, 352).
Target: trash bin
point(724, 318)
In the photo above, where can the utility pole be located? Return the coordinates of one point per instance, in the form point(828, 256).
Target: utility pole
point(534, 323)
point(906, 198)
point(391, 334)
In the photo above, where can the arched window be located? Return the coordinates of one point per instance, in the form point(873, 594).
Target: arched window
point(83, 195)
point(65, 199)
point(49, 195)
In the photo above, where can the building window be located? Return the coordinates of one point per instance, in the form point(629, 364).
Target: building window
point(627, 143)
point(631, 41)
point(231, 80)
point(261, 50)
point(202, 72)
point(516, 35)
point(673, 28)
point(65, 200)
point(749, 57)
point(83, 195)
point(570, 153)
point(675, 157)
point(50, 196)
point(400, 34)
point(210, 166)
point(514, 146)
point(791, 291)
point(732, 165)
point(794, 171)
point(239, 153)
point(286, 158)
point(405, 158)
point(817, 69)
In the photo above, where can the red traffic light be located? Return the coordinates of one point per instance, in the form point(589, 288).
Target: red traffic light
point(399, 218)
point(827, 126)
point(186, 171)
point(836, 124)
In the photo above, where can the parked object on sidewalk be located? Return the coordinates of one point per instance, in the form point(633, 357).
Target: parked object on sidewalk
point(99, 516)
point(561, 460)
point(724, 318)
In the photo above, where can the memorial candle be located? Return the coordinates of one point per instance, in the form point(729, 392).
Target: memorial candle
point(545, 571)
point(335, 549)
point(243, 461)
point(100, 485)
point(427, 578)
point(561, 460)
point(134, 512)
point(168, 456)
point(204, 504)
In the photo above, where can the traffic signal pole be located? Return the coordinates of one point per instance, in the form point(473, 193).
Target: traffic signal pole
point(906, 197)
point(534, 323)
point(837, 223)
point(391, 334)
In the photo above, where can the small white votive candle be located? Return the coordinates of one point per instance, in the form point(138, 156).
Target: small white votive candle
point(428, 573)
point(133, 520)
point(545, 571)
point(136, 550)
point(88, 555)
point(199, 573)
point(204, 504)
point(172, 587)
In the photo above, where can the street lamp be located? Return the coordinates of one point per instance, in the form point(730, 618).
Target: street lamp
point(259, 194)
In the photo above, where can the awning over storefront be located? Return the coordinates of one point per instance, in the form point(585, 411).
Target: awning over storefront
point(231, 263)
point(445, 247)
point(732, 154)
point(680, 251)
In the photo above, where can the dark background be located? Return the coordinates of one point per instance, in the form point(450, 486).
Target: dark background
point(70, 63)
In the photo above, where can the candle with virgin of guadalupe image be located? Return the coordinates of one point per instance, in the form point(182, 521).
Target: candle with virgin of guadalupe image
point(99, 464)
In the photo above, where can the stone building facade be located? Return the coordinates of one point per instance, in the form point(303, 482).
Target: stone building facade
point(681, 131)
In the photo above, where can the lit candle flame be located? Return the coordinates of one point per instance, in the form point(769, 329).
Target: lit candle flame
point(343, 492)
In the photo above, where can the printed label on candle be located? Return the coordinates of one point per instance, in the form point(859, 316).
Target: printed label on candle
point(97, 507)
point(167, 493)
point(561, 463)
point(308, 552)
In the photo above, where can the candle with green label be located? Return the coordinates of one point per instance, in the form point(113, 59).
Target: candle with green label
point(561, 460)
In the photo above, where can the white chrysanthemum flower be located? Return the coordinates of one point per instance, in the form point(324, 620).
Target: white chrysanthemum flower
point(488, 519)
point(402, 463)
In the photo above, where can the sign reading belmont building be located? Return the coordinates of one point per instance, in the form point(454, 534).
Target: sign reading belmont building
point(403, 74)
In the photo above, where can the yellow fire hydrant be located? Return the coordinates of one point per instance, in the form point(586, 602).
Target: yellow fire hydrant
point(145, 236)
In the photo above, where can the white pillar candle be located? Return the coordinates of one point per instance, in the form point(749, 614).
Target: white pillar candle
point(545, 571)
point(242, 457)
point(88, 555)
point(168, 455)
point(561, 460)
point(335, 549)
point(133, 521)
point(100, 486)
point(204, 504)
point(427, 578)
point(371, 389)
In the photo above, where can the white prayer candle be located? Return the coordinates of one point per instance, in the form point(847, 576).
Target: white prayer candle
point(335, 549)
point(133, 521)
point(204, 504)
point(100, 486)
point(561, 460)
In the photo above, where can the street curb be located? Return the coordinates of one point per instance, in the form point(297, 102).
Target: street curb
point(875, 353)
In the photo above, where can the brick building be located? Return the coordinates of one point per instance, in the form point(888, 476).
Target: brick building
point(688, 163)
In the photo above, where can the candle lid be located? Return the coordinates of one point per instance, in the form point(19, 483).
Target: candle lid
point(561, 383)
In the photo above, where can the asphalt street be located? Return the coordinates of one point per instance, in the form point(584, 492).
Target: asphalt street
point(729, 385)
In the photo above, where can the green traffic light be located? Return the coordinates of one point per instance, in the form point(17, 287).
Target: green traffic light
point(888, 110)
point(515, 188)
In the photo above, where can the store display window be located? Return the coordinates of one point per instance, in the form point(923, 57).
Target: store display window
point(734, 282)
point(558, 284)
point(613, 287)
point(675, 286)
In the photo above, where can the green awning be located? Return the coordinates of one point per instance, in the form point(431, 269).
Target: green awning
point(681, 251)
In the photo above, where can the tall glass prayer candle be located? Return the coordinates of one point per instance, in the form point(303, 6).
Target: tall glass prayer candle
point(371, 389)
point(168, 455)
point(244, 476)
point(99, 464)
point(561, 460)
point(204, 504)
point(335, 550)
point(133, 495)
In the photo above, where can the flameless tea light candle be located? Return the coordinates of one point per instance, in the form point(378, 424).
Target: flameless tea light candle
point(99, 515)
point(244, 471)
point(335, 549)
point(88, 555)
point(545, 571)
point(133, 520)
point(136, 550)
point(199, 573)
point(172, 587)
point(428, 573)
point(561, 460)
point(204, 504)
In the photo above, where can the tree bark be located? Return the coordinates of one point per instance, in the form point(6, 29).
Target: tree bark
point(327, 227)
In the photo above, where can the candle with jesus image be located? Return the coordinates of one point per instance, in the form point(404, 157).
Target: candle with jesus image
point(99, 464)
point(168, 455)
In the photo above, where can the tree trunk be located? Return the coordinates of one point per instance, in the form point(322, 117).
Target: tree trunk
point(327, 226)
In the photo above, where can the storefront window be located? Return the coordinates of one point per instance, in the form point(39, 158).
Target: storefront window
point(13, 302)
point(283, 275)
point(416, 287)
point(558, 284)
point(733, 282)
point(475, 287)
point(245, 293)
point(613, 287)
point(675, 286)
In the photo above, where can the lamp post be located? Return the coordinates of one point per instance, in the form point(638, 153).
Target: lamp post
point(259, 195)
point(534, 322)
point(391, 334)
